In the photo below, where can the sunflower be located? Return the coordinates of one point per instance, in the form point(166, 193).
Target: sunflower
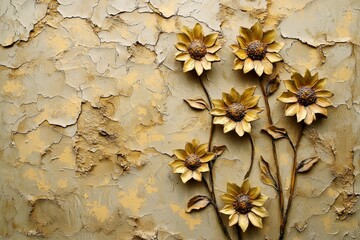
point(196, 50)
point(306, 97)
point(244, 204)
point(236, 111)
point(256, 50)
point(192, 161)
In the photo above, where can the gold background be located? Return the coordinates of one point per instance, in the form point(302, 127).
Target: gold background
point(92, 105)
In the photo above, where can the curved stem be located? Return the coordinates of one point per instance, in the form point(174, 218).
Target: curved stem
point(278, 177)
point(252, 156)
point(293, 177)
point(211, 165)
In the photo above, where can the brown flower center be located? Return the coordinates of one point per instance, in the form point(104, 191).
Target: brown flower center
point(256, 50)
point(236, 112)
point(306, 96)
point(192, 162)
point(197, 49)
point(242, 204)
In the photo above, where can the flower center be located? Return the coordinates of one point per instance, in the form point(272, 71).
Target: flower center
point(197, 49)
point(192, 162)
point(256, 50)
point(242, 204)
point(236, 112)
point(306, 96)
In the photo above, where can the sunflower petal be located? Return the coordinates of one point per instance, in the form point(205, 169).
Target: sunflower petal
point(239, 129)
point(259, 68)
point(189, 148)
point(241, 54)
point(186, 176)
point(210, 39)
point(214, 48)
point(198, 32)
point(234, 47)
point(180, 154)
point(197, 175)
point(246, 126)
point(323, 102)
point(182, 56)
point(201, 149)
point(248, 65)
point(218, 112)
point(206, 64)
point(180, 169)
point(246, 34)
point(269, 36)
point(255, 220)
point(189, 65)
point(227, 209)
point(229, 126)
point(298, 79)
point(243, 222)
point(260, 200)
point(218, 103)
point(242, 42)
point(254, 192)
point(238, 64)
point(301, 114)
point(268, 67)
point(198, 68)
point(233, 219)
point(221, 120)
point(212, 57)
point(183, 38)
point(227, 198)
point(245, 187)
point(310, 116)
point(247, 94)
point(320, 84)
point(234, 95)
point(176, 163)
point(207, 157)
point(275, 47)
point(257, 31)
point(188, 32)
point(251, 102)
point(290, 85)
point(251, 116)
point(181, 46)
point(227, 99)
point(260, 211)
point(273, 57)
point(292, 109)
point(233, 189)
point(323, 93)
point(287, 97)
point(317, 109)
point(204, 168)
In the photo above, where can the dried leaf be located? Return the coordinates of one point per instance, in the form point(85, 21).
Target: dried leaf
point(197, 203)
point(275, 132)
point(218, 150)
point(272, 85)
point(197, 103)
point(307, 164)
point(265, 176)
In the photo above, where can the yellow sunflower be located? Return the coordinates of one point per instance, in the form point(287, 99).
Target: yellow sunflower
point(306, 97)
point(196, 50)
point(244, 205)
point(192, 161)
point(256, 50)
point(236, 111)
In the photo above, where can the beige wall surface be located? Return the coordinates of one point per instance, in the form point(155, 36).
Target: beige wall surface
point(91, 102)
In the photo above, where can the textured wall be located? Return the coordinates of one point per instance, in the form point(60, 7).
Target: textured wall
point(92, 105)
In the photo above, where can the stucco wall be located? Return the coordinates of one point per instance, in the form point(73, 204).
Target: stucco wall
point(92, 106)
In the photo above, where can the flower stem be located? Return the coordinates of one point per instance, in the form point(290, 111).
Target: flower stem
point(293, 179)
point(275, 155)
point(252, 157)
point(211, 165)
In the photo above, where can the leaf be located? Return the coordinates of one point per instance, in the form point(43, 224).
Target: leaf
point(275, 132)
point(197, 203)
point(197, 103)
point(307, 164)
point(218, 150)
point(265, 176)
point(272, 85)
